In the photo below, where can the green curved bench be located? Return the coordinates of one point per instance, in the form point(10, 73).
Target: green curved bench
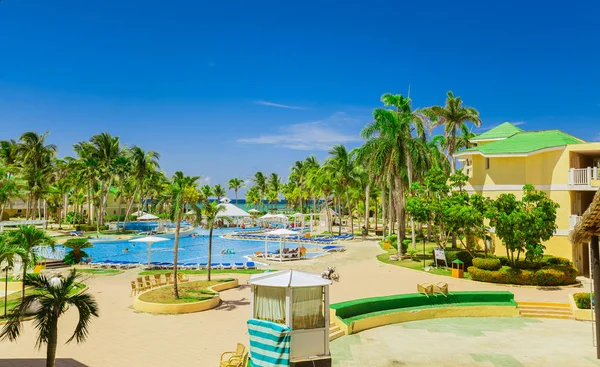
point(361, 314)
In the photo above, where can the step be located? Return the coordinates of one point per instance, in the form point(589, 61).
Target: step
point(546, 308)
point(542, 304)
point(333, 329)
point(549, 316)
point(546, 312)
point(336, 335)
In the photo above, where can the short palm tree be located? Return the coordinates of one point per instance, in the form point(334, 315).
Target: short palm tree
point(28, 237)
point(219, 191)
point(54, 300)
point(235, 184)
point(76, 245)
point(8, 255)
point(210, 212)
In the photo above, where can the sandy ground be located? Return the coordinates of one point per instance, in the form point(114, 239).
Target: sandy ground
point(124, 337)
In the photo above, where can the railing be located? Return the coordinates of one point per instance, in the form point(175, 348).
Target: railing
point(582, 176)
point(574, 220)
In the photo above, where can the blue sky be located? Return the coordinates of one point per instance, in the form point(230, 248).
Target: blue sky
point(224, 89)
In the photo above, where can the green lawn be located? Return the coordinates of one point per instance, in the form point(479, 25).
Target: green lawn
point(416, 263)
point(204, 272)
point(188, 292)
point(14, 298)
point(99, 271)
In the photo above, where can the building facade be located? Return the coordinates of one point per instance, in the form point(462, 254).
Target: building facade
point(563, 166)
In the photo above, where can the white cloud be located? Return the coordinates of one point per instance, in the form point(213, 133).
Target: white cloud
point(206, 180)
point(315, 135)
point(278, 105)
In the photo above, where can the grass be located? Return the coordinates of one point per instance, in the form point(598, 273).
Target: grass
point(204, 272)
point(416, 263)
point(14, 298)
point(99, 271)
point(188, 292)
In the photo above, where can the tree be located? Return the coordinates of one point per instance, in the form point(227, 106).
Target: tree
point(453, 117)
point(253, 196)
point(28, 237)
point(143, 164)
point(8, 255)
point(341, 164)
point(260, 180)
point(523, 225)
point(76, 245)
point(210, 211)
point(235, 184)
point(298, 176)
point(54, 301)
point(219, 191)
point(121, 167)
point(8, 189)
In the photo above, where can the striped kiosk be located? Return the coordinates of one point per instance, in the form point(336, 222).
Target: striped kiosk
point(269, 343)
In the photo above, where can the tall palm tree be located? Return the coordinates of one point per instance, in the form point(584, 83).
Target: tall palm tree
point(341, 164)
point(76, 245)
point(121, 167)
point(253, 196)
point(453, 116)
point(235, 184)
point(54, 299)
point(143, 163)
point(28, 237)
point(9, 155)
point(260, 180)
point(8, 255)
point(219, 191)
point(105, 148)
point(8, 189)
point(298, 176)
point(210, 212)
point(273, 187)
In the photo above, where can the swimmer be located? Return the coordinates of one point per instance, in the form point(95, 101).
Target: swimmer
point(125, 249)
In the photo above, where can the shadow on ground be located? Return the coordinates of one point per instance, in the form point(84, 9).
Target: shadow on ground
point(39, 362)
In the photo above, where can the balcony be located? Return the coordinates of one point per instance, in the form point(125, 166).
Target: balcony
point(573, 220)
point(584, 178)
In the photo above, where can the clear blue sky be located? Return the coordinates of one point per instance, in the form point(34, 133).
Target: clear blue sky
point(223, 89)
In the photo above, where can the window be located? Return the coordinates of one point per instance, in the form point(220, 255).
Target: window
point(487, 163)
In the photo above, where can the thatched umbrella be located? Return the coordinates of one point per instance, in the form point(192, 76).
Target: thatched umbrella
point(587, 231)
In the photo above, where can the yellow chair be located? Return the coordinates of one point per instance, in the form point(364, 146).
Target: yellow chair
point(182, 278)
point(441, 288)
point(141, 284)
point(39, 266)
point(158, 280)
point(238, 362)
point(168, 278)
point(148, 282)
point(134, 289)
point(238, 354)
point(425, 289)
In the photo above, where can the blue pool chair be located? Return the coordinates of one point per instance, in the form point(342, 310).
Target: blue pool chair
point(250, 265)
point(225, 266)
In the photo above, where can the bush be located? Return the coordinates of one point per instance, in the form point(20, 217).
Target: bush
point(393, 238)
point(461, 255)
point(528, 265)
point(487, 264)
point(503, 260)
point(70, 258)
point(89, 228)
point(556, 275)
point(583, 300)
point(405, 244)
point(558, 261)
point(550, 276)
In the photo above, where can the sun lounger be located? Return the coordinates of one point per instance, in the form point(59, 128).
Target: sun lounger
point(192, 266)
point(215, 266)
point(225, 265)
point(182, 278)
point(250, 265)
point(238, 265)
point(334, 248)
point(203, 266)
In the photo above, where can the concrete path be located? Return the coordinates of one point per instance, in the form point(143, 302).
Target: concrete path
point(124, 337)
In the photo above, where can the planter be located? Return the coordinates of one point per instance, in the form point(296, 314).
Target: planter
point(179, 308)
point(579, 313)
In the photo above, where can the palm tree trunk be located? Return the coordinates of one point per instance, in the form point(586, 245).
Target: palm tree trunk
point(24, 265)
point(400, 212)
point(301, 200)
point(350, 211)
point(5, 289)
point(383, 224)
point(52, 342)
point(390, 212)
point(412, 221)
point(176, 254)
point(236, 197)
point(2, 211)
point(376, 214)
point(89, 200)
point(129, 208)
point(210, 234)
point(367, 197)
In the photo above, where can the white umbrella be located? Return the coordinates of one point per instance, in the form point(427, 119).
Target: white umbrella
point(282, 232)
point(252, 211)
point(148, 217)
point(298, 215)
point(149, 240)
point(138, 213)
point(267, 216)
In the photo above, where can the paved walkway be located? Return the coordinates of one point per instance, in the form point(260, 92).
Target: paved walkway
point(122, 336)
point(470, 342)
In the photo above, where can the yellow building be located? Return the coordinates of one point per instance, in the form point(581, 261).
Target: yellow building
point(565, 167)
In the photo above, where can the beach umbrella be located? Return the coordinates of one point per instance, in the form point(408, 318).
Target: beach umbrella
point(148, 217)
point(149, 240)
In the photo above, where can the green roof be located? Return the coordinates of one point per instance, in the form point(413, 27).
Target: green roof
point(527, 142)
point(502, 131)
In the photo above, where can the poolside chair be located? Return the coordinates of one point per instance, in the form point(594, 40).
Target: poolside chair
point(237, 354)
point(158, 280)
point(250, 265)
point(238, 265)
point(441, 288)
point(141, 285)
point(202, 266)
point(148, 283)
point(225, 266)
point(134, 289)
point(425, 289)
point(215, 266)
point(238, 362)
point(182, 278)
point(168, 278)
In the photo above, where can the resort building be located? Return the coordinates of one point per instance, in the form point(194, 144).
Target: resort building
point(565, 167)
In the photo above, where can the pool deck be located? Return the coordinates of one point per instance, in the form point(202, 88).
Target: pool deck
point(122, 336)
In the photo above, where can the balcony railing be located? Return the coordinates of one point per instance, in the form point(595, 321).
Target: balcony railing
point(573, 220)
point(583, 176)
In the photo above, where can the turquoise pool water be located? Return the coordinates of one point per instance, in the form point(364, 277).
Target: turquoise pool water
point(191, 250)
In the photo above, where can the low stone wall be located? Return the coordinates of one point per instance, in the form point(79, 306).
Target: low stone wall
point(579, 313)
point(179, 308)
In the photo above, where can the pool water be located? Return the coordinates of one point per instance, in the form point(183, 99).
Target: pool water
point(191, 250)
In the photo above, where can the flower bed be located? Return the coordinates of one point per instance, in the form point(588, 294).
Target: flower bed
point(552, 275)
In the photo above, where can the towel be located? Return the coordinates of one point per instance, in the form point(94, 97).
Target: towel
point(269, 343)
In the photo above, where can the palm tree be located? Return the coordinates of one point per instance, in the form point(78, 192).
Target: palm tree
point(121, 167)
point(76, 245)
point(341, 164)
point(206, 191)
point(235, 184)
point(253, 196)
point(9, 154)
point(105, 149)
point(28, 237)
point(453, 116)
point(298, 175)
point(8, 255)
point(8, 189)
point(273, 187)
point(143, 163)
point(260, 180)
point(210, 212)
point(54, 299)
point(219, 191)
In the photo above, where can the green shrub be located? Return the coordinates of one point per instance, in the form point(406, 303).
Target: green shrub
point(392, 238)
point(89, 228)
point(556, 275)
point(503, 260)
point(549, 276)
point(461, 255)
point(70, 258)
point(405, 244)
point(558, 261)
point(528, 265)
point(487, 264)
point(583, 300)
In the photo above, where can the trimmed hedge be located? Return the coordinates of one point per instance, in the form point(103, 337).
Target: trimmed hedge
point(549, 276)
point(583, 300)
point(89, 228)
point(487, 264)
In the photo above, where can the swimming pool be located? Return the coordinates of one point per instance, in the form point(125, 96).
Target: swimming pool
point(191, 249)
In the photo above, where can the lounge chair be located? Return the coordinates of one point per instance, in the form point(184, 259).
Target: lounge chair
point(225, 265)
point(250, 265)
point(158, 280)
point(182, 278)
point(238, 362)
point(215, 265)
point(148, 283)
point(134, 289)
point(238, 265)
point(169, 278)
point(425, 289)
point(237, 354)
point(441, 288)
point(334, 248)
point(203, 266)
